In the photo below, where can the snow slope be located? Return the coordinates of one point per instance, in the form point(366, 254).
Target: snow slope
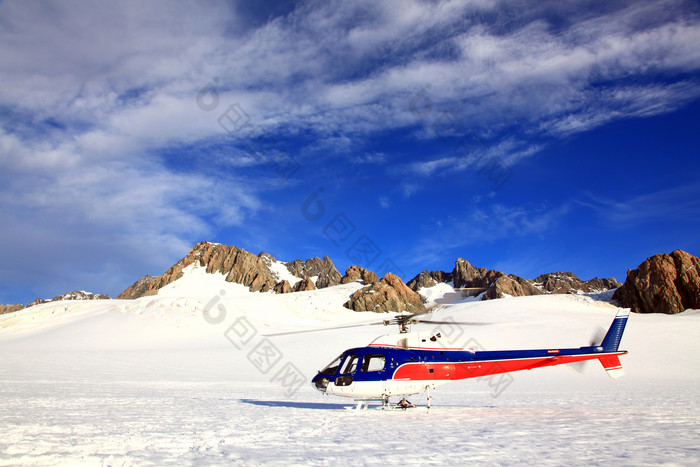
point(176, 379)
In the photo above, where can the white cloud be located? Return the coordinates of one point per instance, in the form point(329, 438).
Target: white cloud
point(93, 94)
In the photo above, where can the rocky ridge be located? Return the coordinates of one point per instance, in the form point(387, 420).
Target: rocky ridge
point(665, 283)
point(568, 282)
point(10, 308)
point(496, 284)
point(241, 267)
point(326, 273)
point(388, 294)
point(357, 273)
point(75, 295)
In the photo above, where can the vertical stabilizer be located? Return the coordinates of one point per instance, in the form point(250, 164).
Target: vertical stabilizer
point(612, 339)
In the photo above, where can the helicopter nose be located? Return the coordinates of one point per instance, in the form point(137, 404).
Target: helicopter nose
point(320, 382)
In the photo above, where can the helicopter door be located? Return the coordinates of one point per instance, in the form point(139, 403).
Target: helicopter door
point(346, 371)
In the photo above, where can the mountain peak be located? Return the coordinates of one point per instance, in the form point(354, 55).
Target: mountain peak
point(260, 273)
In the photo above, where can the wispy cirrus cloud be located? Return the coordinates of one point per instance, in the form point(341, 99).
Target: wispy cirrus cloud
point(677, 203)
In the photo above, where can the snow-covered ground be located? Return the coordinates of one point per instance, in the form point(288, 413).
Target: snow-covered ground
point(189, 377)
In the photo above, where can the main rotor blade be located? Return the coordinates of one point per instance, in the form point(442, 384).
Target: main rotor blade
point(461, 323)
point(323, 329)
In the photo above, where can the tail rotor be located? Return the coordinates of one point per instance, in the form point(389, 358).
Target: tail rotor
point(595, 340)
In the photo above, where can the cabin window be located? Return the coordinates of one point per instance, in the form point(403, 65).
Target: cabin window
point(373, 363)
point(350, 365)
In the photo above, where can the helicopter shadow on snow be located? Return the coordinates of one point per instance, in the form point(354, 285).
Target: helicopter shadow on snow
point(327, 406)
point(295, 405)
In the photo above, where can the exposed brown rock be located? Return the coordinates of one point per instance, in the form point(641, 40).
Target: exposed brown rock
point(238, 265)
point(141, 288)
point(597, 285)
point(429, 279)
point(37, 301)
point(511, 285)
point(80, 295)
point(388, 294)
point(10, 308)
point(423, 280)
point(324, 268)
point(75, 295)
point(304, 284)
point(441, 276)
point(357, 273)
point(568, 282)
point(662, 284)
point(466, 275)
point(499, 284)
point(283, 287)
point(267, 258)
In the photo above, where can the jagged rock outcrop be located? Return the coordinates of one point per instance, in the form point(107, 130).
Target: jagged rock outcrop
point(304, 284)
point(238, 265)
point(10, 308)
point(429, 279)
point(141, 288)
point(388, 294)
point(568, 282)
point(283, 286)
point(75, 295)
point(662, 284)
point(498, 284)
point(466, 275)
point(256, 272)
point(37, 301)
point(241, 267)
point(422, 281)
point(601, 285)
point(324, 269)
point(442, 276)
point(80, 295)
point(357, 273)
point(510, 285)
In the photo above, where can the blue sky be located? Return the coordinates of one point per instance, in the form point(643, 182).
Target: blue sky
point(527, 137)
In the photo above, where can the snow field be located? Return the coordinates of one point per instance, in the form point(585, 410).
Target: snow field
point(153, 382)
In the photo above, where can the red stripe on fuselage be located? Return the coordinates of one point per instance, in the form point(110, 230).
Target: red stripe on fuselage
point(475, 369)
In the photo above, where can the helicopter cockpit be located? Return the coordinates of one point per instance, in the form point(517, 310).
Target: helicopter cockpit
point(344, 370)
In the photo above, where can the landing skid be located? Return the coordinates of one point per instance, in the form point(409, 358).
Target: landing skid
point(363, 404)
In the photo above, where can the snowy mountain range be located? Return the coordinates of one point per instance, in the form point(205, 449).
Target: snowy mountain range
point(668, 283)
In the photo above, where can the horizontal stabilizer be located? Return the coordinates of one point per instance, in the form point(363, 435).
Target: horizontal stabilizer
point(612, 365)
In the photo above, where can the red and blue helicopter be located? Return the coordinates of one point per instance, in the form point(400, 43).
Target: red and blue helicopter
point(416, 362)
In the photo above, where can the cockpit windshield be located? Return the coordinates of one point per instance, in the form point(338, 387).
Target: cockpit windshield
point(350, 365)
point(332, 367)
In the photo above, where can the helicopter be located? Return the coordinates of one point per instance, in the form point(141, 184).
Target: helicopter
point(410, 363)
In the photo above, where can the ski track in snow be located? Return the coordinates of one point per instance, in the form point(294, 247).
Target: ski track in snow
point(150, 382)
